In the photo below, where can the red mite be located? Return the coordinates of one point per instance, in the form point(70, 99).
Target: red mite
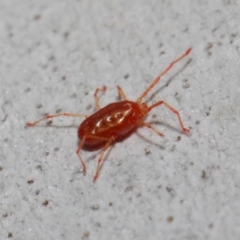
point(117, 120)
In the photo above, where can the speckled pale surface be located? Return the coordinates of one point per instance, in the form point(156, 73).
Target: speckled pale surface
point(54, 54)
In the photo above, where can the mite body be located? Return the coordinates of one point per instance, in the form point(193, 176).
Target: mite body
point(114, 120)
point(117, 120)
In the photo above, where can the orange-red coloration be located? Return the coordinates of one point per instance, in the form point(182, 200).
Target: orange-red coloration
point(116, 120)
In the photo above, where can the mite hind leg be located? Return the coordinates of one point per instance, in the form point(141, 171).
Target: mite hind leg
point(96, 96)
point(32, 124)
point(184, 129)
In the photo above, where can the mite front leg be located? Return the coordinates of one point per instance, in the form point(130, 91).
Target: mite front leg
point(158, 78)
point(184, 129)
point(143, 124)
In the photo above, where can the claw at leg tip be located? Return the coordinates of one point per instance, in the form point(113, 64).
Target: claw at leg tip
point(84, 170)
point(187, 131)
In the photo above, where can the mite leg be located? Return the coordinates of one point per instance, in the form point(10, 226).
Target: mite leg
point(158, 78)
point(78, 153)
point(151, 127)
point(55, 115)
point(121, 93)
point(80, 146)
point(96, 97)
point(184, 129)
point(110, 141)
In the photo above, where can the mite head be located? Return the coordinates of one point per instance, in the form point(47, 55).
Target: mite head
point(144, 109)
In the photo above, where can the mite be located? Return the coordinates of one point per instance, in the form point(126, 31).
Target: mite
point(117, 120)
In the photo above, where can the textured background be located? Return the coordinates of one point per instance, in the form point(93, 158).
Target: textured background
point(54, 54)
